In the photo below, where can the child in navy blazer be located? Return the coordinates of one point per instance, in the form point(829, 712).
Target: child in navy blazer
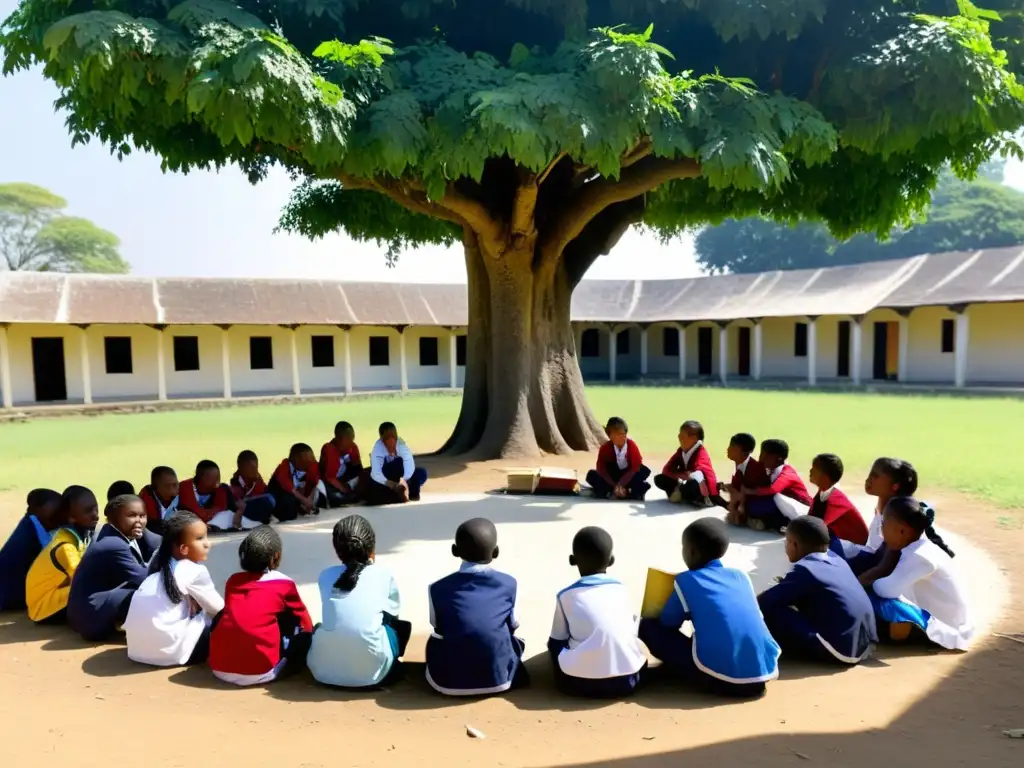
point(819, 611)
point(112, 568)
point(620, 471)
point(29, 538)
point(473, 650)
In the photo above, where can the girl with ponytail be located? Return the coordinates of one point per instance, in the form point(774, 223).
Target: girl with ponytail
point(361, 639)
point(169, 618)
point(924, 595)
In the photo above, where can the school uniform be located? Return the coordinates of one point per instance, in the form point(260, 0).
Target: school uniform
point(784, 499)
point(593, 641)
point(820, 611)
point(361, 638)
point(701, 486)
point(264, 631)
point(925, 590)
point(345, 467)
point(18, 553)
point(731, 651)
point(112, 568)
point(473, 650)
point(259, 503)
point(862, 557)
point(166, 634)
point(840, 515)
point(399, 466)
point(286, 478)
point(48, 582)
point(216, 508)
point(616, 467)
point(156, 510)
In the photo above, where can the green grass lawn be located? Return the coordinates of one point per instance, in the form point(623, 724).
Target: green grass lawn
point(959, 444)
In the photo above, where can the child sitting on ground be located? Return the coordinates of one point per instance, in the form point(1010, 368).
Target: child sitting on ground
point(30, 535)
point(887, 479)
point(924, 596)
point(254, 505)
point(361, 640)
point(394, 476)
point(296, 485)
point(120, 488)
point(341, 466)
point(168, 622)
point(593, 640)
point(833, 506)
point(688, 475)
point(48, 583)
point(112, 568)
point(620, 472)
point(473, 649)
point(160, 498)
point(819, 611)
point(731, 652)
point(771, 507)
point(264, 631)
point(208, 498)
point(749, 475)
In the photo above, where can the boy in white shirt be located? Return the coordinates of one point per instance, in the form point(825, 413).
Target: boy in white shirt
point(593, 642)
point(394, 476)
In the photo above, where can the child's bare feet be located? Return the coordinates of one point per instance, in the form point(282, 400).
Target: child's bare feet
point(755, 524)
point(676, 497)
point(899, 631)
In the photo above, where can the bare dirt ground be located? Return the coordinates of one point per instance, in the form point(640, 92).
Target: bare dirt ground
point(66, 703)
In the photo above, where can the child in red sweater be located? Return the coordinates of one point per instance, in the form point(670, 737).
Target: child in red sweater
point(749, 475)
point(688, 475)
point(341, 466)
point(264, 631)
point(833, 506)
point(620, 472)
point(771, 507)
point(253, 502)
point(296, 485)
point(208, 498)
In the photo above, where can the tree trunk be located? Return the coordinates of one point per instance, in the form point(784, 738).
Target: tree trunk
point(523, 394)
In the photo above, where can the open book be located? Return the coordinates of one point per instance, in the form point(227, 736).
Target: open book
point(656, 592)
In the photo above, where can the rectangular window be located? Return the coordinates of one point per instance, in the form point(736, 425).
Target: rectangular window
point(118, 351)
point(322, 351)
point(590, 343)
point(460, 350)
point(186, 353)
point(622, 342)
point(428, 350)
point(380, 350)
point(261, 353)
point(948, 335)
point(800, 340)
point(670, 342)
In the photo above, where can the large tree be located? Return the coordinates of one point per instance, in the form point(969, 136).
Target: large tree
point(35, 235)
point(537, 131)
point(964, 216)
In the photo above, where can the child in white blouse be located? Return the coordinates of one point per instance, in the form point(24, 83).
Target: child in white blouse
point(169, 618)
point(924, 592)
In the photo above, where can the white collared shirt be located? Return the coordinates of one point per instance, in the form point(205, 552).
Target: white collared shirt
point(774, 474)
point(742, 466)
point(697, 475)
point(823, 495)
point(379, 456)
point(622, 456)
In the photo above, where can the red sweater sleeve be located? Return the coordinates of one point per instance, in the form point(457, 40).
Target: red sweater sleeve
point(330, 460)
point(284, 477)
point(605, 456)
point(702, 463)
point(293, 603)
point(843, 519)
point(673, 461)
point(354, 456)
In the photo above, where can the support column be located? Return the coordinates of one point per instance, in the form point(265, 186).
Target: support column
point(682, 352)
point(723, 353)
point(812, 351)
point(83, 348)
point(643, 350)
point(904, 348)
point(856, 326)
point(613, 352)
point(294, 344)
point(453, 355)
point(758, 350)
point(346, 337)
point(961, 342)
point(225, 360)
point(161, 366)
point(403, 369)
point(5, 368)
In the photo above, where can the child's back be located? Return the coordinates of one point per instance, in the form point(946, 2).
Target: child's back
point(32, 533)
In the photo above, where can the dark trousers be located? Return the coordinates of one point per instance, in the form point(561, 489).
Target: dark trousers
point(202, 650)
point(689, 489)
point(295, 654)
point(260, 509)
point(797, 638)
point(378, 494)
point(338, 498)
point(763, 508)
point(675, 652)
point(587, 688)
point(637, 488)
point(60, 617)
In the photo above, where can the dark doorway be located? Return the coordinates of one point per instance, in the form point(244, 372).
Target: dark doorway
point(843, 362)
point(704, 345)
point(48, 369)
point(744, 351)
point(886, 353)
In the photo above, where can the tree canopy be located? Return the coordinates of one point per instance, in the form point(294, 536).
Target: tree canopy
point(36, 236)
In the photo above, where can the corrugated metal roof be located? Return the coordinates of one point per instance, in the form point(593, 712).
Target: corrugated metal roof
point(939, 279)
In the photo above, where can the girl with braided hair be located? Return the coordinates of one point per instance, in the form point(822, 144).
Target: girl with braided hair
point(361, 639)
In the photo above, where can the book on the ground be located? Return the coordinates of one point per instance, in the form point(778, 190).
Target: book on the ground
point(542, 480)
point(656, 592)
point(522, 480)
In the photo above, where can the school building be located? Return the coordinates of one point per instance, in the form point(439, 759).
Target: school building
point(950, 319)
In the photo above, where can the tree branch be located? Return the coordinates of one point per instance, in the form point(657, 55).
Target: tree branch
point(597, 195)
point(523, 224)
point(600, 236)
point(551, 166)
point(640, 150)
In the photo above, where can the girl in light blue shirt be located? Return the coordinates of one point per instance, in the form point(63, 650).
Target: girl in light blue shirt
point(361, 639)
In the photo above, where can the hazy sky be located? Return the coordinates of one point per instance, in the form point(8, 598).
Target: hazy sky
point(217, 224)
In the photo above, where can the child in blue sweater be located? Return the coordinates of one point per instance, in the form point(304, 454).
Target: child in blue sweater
point(28, 539)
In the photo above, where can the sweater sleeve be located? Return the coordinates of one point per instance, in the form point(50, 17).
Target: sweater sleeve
point(786, 593)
